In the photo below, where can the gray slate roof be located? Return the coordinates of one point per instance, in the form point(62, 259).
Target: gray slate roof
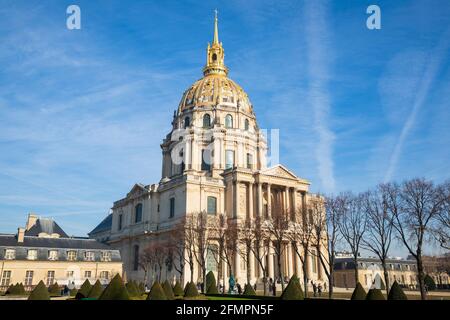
point(105, 225)
point(10, 240)
point(46, 225)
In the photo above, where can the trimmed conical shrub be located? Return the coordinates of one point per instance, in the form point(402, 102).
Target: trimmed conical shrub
point(11, 290)
point(429, 282)
point(211, 285)
point(115, 290)
point(156, 292)
point(96, 290)
point(84, 290)
point(249, 291)
point(40, 292)
point(293, 290)
point(133, 291)
point(73, 292)
point(54, 290)
point(375, 294)
point(359, 293)
point(141, 288)
point(177, 289)
point(190, 291)
point(21, 289)
point(396, 292)
point(168, 290)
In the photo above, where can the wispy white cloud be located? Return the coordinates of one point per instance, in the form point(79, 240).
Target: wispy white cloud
point(424, 85)
point(319, 54)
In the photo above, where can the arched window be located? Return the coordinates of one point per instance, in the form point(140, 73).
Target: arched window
point(138, 213)
point(187, 122)
point(206, 121)
point(228, 121)
point(212, 205)
point(246, 124)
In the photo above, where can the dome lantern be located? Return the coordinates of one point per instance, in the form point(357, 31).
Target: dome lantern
point(215, 55)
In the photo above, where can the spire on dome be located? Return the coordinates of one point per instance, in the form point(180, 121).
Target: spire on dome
point(215, 54)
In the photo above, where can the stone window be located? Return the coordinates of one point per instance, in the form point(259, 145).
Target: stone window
point(229, 121)
point(71, 255)
point(172, 208)
point(10, 254)
point(136, 258)
point(246, 124)
point(212, 205)
point(29, 278)
point(119, 226)
point(89, 256)
point(138, 213)
point(206, 121)
point(249, 161)
point(32, 254)
point(87, 274)
point(106, 256)
point(6, 278)
point(229, 159)
point(50, 277)
point(187, 122)
point(104, 275)
point(53, 255)
point(206, 160)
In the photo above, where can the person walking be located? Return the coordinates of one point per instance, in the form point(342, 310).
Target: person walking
point(314, 288)
point(239, 288)
point(319, 289)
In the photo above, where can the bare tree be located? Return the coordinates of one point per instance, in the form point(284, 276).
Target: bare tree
point(189, 242)
point(278, 225)
point(176, 244)
point(378, 235)
point(260, 248)
point(352, 226)
point(218, 233)
point(201, 243)
point(300, 235)
point(246, 237)
point(231, 243)
point(328, 226)
point(146, 262)
point(441, 229)
point(413, 206)
point(154, 256)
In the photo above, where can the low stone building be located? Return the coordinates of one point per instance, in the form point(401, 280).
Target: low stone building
point(43, 251)
point(370, 272)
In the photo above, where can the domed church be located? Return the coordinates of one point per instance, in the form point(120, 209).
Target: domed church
point(214, 165)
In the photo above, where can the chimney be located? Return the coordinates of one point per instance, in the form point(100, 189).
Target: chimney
point(20, 235)
point(32, 218)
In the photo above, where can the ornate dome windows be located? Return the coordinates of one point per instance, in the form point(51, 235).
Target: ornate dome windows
point(229, 121)
point(206, 121)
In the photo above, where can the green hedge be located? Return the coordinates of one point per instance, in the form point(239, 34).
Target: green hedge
point(96, 290)
point(168, 290)
point(375, 294)
point(84, 290)
point(359, 293)
point(190, 291)
point(54, 290)
point(40, 292)
point(211, 284)
point(396, 292)
point(178, 290)
point(132, 289)
point(293, 291)
point(248, 290)
point(429, 282)
point(156, 292)
point(115, 290)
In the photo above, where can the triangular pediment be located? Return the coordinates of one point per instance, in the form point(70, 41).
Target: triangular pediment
point(137, 189)
point(279, 171)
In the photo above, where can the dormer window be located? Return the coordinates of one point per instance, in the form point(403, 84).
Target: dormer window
point(106, 256)
point(53, 255)
point(32, 254)
point(71, 255)
point(10, 254)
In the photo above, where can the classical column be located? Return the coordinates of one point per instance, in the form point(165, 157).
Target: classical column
point(187, 157)
point(294, 202)
point(269, 201)
point(260, 200)
point(237, 266)
point(250, 200)
point(286, 199)
point(236, 199)
point(290, 262)
point(270, 270)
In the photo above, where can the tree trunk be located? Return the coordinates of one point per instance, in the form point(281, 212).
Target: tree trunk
point(305, 278)
point(420, 273)
point(386, 276)
point(355, 259)
point(280, 272)
point(191, 265)
point(330, 284)
point(248, 266)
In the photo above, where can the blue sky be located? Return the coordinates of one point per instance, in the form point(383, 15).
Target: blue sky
point(82, 112)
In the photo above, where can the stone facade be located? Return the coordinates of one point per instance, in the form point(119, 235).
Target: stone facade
point(214, 161)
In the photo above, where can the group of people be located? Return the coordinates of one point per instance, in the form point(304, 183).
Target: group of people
point(317, 288)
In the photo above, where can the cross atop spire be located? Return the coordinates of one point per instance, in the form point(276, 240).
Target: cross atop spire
point(216, 28)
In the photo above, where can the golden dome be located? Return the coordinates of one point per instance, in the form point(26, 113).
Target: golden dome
point(214, 90)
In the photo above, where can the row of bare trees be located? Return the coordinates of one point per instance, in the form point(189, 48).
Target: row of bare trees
point(415, 212)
